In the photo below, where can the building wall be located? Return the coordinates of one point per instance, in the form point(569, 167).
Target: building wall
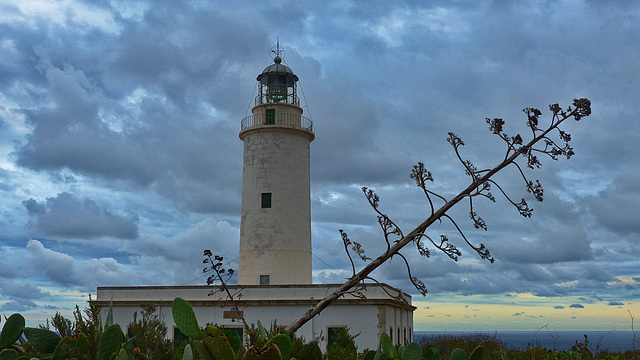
point(360, 319)
point(283, 304)
point(399, 325)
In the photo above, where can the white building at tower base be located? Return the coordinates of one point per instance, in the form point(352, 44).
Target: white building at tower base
point(381, 311)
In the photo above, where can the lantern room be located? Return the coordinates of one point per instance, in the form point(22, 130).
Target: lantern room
point(277, 84)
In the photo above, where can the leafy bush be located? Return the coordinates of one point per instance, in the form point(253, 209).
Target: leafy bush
point(149, 334)
point(343, 347)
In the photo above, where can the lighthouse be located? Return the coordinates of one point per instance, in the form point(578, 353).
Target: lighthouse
point(275, 229)
point(274, 273)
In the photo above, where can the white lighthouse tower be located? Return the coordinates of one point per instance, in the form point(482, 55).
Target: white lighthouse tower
point(275, 230)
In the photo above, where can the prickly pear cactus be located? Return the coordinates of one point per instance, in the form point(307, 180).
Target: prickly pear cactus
point(386, 346)
point(11, 330)
point(110, 342)
point(458, 354)
point(185, 318)
point(68, 348)
point(311, 351)
point(412, 351)
point(122, 355)
point(433, 353)
point(202, 350)
point(188, 353)
point(477, 353)
point(386, 351)
point(8, 354)
point(270, 352)
point(218, 344)
point(43, 340)
point(381, 356)
point(283, 342)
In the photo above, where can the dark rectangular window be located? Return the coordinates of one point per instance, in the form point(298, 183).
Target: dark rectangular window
point(266, 200)
point(271, 116)
point(265, 279)
point(235, 332)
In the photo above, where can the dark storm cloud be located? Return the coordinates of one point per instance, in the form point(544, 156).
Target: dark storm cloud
point(19, 290)
point(8, 270)
point(146, 106)
point(348, 148)
point(591, 299)
point(169, 133)
point(86, 274)
point(71, 217)
point(18, 306)
point(55, 266)
point(193, 55)
point(549, 245)
point(616, 206)
point(8, 181)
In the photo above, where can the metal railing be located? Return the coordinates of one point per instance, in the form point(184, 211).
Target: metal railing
point(271, 99)
point(293, 120)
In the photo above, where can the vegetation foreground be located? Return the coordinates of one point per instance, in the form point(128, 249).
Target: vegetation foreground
point(85, 337)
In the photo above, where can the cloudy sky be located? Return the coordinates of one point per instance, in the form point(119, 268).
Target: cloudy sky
point(120, 160)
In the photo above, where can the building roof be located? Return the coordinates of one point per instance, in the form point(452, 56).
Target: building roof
point(277, 68)
point(253, 295)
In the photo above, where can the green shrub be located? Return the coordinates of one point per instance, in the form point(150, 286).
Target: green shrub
point(148, 334)
point(343, 346)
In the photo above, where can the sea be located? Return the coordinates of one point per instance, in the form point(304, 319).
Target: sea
point(615, 341)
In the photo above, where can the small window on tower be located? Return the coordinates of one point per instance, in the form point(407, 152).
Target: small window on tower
point(265, 279)
point(266, 200)
point(271, 116)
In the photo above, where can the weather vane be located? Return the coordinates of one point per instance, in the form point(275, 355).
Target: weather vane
point(277, 51)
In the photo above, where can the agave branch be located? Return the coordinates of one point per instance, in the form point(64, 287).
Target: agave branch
point(386, 224)
point(445, 246)
point(356, 291)
point(478, 222)
point(522, 206)
point(223, 276)
point(355, 247)
point(421, 175)
point(417, 283)
point(347, 242)
point(422, 249)
point(481, 250)
point(581, 108)
point(397, 296)
point(456, 142)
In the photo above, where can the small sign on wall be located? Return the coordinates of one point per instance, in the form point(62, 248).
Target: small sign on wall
point(232, 314)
